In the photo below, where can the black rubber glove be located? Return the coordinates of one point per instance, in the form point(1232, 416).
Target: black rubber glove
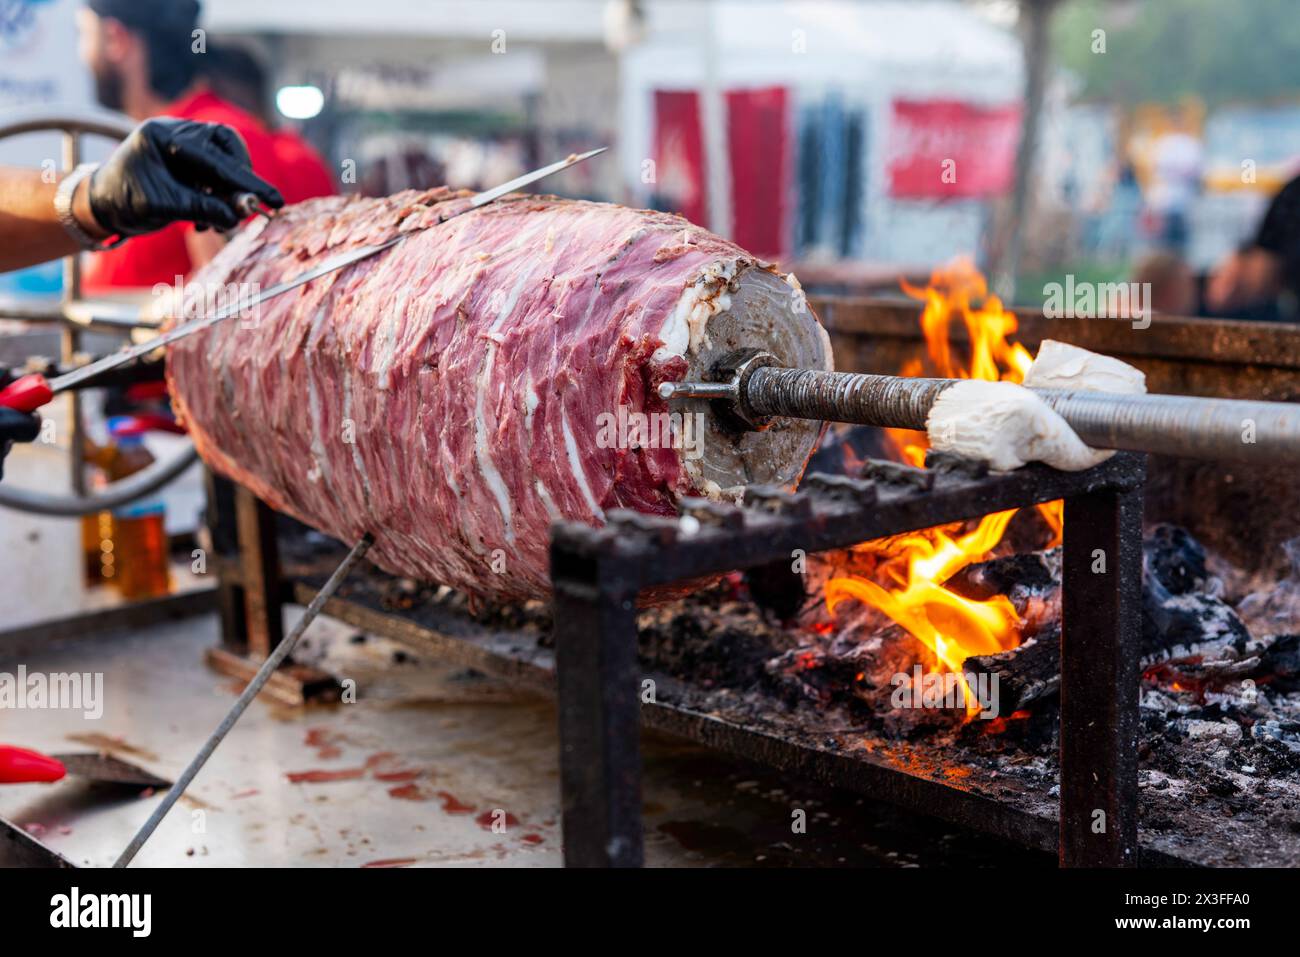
point(15, 426)
point(169, 170)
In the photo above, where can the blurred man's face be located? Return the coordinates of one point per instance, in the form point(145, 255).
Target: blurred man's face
point(94, 47)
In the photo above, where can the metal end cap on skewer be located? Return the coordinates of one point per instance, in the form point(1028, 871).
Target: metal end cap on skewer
point(728, 385)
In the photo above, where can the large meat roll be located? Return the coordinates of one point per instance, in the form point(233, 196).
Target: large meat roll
point(458, 393)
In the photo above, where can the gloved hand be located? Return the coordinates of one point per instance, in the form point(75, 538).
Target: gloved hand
point(1008, 426)
point(169, 170)
point(15, 426)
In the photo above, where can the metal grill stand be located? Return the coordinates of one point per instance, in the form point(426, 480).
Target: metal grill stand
point(598, 572)
point(250, 594)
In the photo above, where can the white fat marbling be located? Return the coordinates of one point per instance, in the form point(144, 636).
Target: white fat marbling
point(683, 330)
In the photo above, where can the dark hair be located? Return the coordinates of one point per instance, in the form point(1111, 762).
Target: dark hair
point(236, 74)
point(167, 28)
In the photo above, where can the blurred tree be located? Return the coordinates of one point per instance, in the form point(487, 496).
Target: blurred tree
point(1163, 50)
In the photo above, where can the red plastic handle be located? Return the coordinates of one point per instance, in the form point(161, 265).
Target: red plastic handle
point(27, 394)
point(20, 766)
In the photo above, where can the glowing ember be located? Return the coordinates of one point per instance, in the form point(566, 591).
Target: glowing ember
point(908, 584)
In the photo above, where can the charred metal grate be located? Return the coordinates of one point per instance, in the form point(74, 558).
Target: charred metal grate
point(597, 574)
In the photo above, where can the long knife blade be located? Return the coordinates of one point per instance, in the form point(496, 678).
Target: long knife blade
point(519, 182)
point(334, 263)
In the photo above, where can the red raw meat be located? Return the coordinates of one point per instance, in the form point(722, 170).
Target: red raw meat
point(445, 395)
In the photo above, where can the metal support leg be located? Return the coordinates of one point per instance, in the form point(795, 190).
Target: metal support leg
point(70, 338)
point(599, 704)
point(1100, 622)
point(259, 560)
point(249, 595)
point(220, 521)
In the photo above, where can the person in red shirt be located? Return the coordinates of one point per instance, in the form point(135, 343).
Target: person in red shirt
point(237, 76)
point(144, 62)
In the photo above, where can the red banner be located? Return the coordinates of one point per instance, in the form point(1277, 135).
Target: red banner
point(757, 142)
point(947, 148)
point(679, 155)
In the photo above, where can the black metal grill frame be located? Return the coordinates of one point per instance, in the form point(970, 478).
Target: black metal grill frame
point(597, 574)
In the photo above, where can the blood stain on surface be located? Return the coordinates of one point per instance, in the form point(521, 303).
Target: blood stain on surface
point(320, 777)
point(532, 839)
point(409, 775)
point(325, 741)
point(452, 805)
point(408, 792)
point(487, 819)
point(245, 794)
point(392, 862)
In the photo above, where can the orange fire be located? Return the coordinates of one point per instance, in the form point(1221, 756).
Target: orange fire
point(959, 289)
point(908, 583)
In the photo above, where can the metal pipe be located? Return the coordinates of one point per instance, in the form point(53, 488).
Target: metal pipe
point(1228, 429)
point(263, 675)
point(120, 493)
point(71, 337)
point(697, 390)
point(1223, 429)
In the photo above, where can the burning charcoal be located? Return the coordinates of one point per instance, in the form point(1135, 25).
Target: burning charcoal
point(1285, 734)
point(710, 639)
point(814, 674)
point(1281, 661)
point(1030, 582)
point(850, 671)
point(1175, 559)
point(999, 576)
point(1276, 611)
point(1180, 625)
point(845, 448)
point(1176, 621)
point(1027, 673)
point(1199, 675)
point(1028, 531)
point(1213, 733)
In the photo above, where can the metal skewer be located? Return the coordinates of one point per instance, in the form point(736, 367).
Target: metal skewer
point(753, 391)
point(273, 661)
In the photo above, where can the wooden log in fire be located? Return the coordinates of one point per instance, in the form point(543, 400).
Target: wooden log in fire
point(1025, 673)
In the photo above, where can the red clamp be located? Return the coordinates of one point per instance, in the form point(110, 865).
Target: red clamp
point(20, 766)
point(27, 394)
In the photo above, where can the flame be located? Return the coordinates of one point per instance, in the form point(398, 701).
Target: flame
point(910, 572)
point(914, 568)
point(959, 289)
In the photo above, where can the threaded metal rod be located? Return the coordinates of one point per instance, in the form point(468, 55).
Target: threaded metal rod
point(1225, 429)
point(884, 400)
